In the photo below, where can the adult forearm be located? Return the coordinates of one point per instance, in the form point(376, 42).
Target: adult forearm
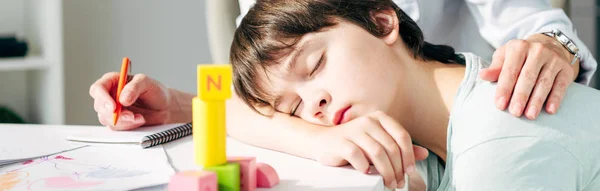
point(280, 132)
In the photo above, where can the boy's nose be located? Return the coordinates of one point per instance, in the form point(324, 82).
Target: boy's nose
point(319, 113)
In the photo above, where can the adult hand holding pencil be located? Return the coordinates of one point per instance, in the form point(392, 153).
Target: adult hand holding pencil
point(125, 102)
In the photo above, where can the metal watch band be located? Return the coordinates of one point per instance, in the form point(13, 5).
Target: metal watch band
point(566, 42)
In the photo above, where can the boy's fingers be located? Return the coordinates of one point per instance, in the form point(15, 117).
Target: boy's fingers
point(355, 156)
point(420, 153)
point(401, 137)
point(378, 156)
point(391, 148)
point(132, 90)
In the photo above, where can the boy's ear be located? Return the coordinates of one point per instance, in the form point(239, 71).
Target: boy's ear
point(387, 21)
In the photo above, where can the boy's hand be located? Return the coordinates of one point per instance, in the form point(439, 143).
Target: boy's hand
point(144, 100)
point(529, 73)
point(376, 138)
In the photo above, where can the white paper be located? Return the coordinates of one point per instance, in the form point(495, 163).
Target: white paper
point(18, 143)
point(90, 168)
point(106, 135)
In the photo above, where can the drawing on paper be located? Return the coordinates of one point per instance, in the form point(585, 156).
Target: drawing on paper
point(60, 173)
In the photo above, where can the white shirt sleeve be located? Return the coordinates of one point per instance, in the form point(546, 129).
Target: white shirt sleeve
point(244, 7)
point(502, 20)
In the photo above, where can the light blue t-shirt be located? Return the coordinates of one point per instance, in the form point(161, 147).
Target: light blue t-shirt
point(489, 149)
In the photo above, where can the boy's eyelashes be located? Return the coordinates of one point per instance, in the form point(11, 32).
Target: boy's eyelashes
point(318, 65)
point(314, 70)
point(294, 109)
point(320, 62)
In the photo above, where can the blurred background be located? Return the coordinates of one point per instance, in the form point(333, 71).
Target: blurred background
point(71, 43)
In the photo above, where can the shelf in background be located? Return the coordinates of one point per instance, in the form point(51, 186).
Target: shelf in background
point(23, 63)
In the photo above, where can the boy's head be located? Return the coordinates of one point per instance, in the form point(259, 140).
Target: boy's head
point(317, 58)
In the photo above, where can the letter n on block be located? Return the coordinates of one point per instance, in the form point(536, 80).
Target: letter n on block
point(214, 82)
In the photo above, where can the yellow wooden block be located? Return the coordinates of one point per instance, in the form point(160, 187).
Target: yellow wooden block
point(214, 81)
point(209, 132)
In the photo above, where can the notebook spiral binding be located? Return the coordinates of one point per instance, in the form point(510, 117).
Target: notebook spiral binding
point(166, 136)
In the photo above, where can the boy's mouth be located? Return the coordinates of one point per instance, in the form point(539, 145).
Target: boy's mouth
point(340, 115)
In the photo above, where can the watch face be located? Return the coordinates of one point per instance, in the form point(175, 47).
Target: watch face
point(572, 48)
point(563, 39)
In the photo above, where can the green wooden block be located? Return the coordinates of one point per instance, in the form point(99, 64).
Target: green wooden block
point(228, 176)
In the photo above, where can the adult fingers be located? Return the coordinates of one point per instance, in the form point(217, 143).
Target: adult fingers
point(558, 91)
point(102, 107)
point(127, 120)
point(493, 72)
point(133, 89)
point(100, 90)
point(541, 91)
point(513, 62)
point(527, 79)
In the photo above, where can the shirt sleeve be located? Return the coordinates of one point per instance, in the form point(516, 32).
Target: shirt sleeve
point(502, 20)
point(516, 163)
point(245, 5)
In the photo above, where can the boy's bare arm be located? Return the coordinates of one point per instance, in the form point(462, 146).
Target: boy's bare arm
point(280, 132)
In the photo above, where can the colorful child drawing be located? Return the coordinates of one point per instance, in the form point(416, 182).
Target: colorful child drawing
point(59, 173)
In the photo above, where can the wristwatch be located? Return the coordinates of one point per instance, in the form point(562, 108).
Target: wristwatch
point(566, 42)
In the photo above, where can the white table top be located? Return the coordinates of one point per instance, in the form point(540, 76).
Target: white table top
point(295, 173)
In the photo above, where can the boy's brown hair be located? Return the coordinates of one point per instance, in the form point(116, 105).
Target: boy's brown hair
point(259, 40)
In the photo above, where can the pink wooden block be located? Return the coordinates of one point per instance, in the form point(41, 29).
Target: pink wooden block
point(193, 180)
point(266, 176)
point(247, 172)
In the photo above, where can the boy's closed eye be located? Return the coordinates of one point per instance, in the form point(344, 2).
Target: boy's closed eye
point(311, 75)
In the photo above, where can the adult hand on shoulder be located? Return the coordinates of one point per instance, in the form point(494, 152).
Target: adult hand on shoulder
point(530, 73)
point(376, 138)
point(145, 101)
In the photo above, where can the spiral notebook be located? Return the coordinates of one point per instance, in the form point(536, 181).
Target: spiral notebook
point(145, 136)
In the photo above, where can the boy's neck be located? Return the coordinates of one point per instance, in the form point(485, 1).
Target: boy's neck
point(434, 95)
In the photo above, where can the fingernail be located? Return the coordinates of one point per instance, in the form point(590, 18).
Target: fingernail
point(501, 102)
point(394, 185)
point(410, 169)
point(401, 184)
point(108, 106)
point(517, 109)
point(127, 98)
point(532, 112)
point(138, 119)
point(552, 108)
point(127, 117)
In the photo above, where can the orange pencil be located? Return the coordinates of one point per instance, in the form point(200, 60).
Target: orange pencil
point(122, 81)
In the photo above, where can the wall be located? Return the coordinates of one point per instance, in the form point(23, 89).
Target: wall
point(583, 15)
point(164, 39)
